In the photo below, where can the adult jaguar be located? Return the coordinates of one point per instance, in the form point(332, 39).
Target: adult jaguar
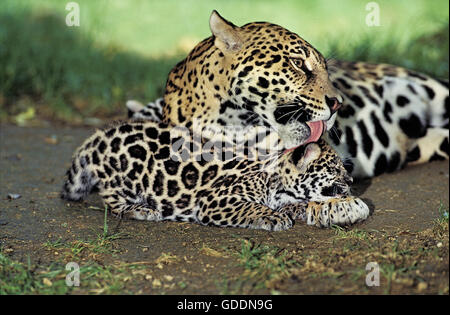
point(262, 74)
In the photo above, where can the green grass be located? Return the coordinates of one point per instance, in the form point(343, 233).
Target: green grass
point(426, 53)
point(342, 233)
point(103, 244)
point(20, 278)
point(263, 260)
point(98, 278)
point(443, 213)
point(25, 278)
point(262, 265)
point(105, 223)
point(157, 28)
point(124, 49)
point(66, 75)
point(441, 223)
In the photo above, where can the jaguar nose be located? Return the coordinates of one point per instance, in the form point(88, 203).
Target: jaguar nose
point(333, 104)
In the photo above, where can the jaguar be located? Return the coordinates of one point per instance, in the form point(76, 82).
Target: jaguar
point(379, 117)
point(153, 171)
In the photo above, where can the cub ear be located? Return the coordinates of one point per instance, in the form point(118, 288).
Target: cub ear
point(304, 155)
point(226, 33)
point(134, 106)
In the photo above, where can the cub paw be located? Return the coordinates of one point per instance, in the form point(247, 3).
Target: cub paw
point(340, 211)
point(296, 211)
point(137, 212)
point(274, 222)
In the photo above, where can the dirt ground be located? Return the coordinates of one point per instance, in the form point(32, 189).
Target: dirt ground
point(406, 238)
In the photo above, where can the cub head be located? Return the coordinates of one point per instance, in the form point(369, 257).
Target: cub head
point(314, 173)
point(259, 69)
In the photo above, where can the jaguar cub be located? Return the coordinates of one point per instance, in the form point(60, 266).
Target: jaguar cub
point(153, 171)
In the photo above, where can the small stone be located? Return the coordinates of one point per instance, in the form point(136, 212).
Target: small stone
point(156, 283)
point(422, 286)
point(406, 282)
point(47, 282)
point(53, 139)
point(13, 196)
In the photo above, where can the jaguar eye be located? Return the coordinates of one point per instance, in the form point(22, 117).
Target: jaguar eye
point(297, 63)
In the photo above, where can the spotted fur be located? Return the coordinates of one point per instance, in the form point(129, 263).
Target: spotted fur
point(390, 116)
point(153, 171)
point(259, 73)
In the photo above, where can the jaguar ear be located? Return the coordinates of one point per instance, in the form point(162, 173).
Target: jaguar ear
point(226, 33)
point(304, 155)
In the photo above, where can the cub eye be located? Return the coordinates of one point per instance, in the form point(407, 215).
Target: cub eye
point(298, 153)
point(297, 63)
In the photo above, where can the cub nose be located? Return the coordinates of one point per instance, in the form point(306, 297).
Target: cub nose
point(348, 179)
point(336, 189)
point(332, 103)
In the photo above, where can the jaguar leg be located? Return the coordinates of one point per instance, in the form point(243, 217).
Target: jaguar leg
point(336, 211)
point(245, 215)
point(433, 146)
point(125, 209)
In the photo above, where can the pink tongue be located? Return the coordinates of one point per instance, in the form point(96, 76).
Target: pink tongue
point(317, 128)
